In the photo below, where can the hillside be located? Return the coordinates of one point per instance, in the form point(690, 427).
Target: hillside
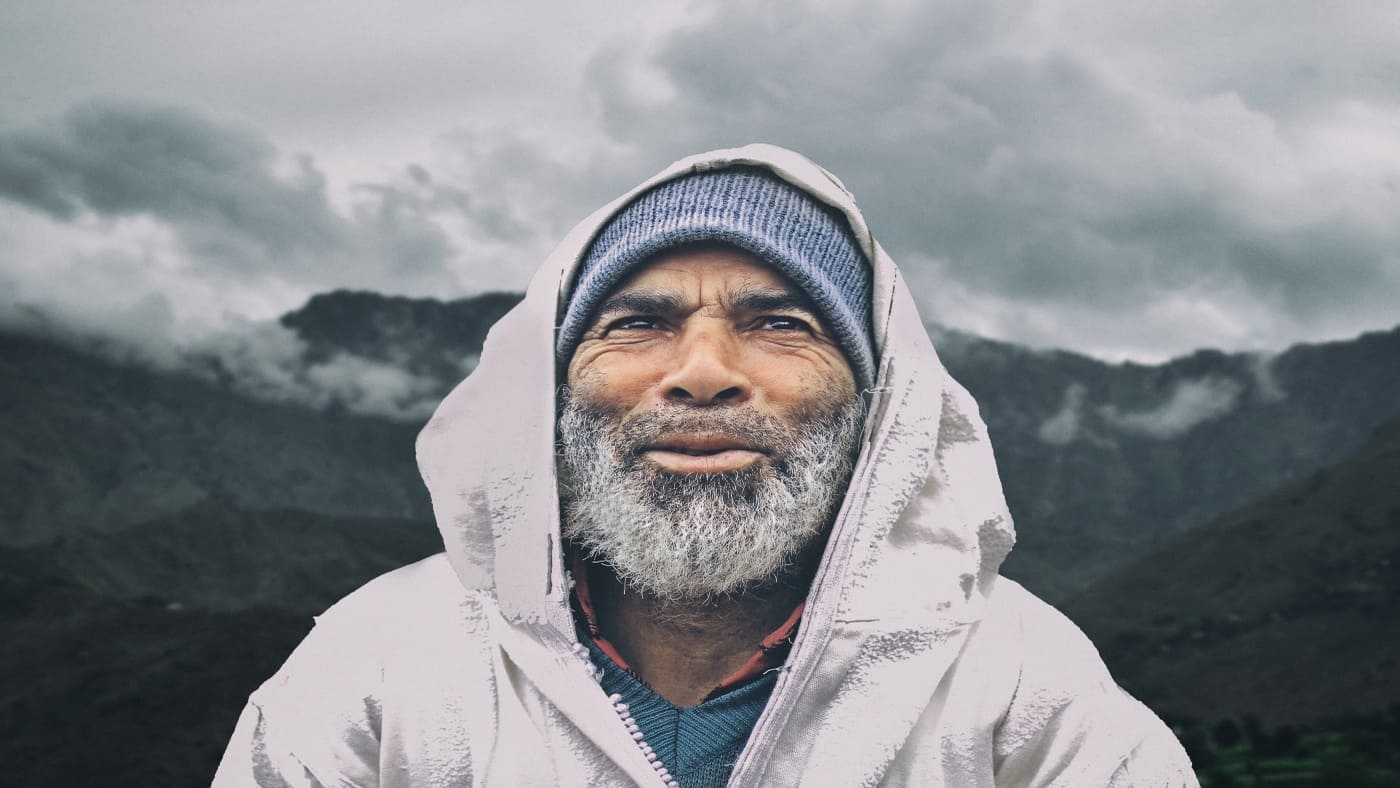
point(92, 445)
point(1284, 608)
point(165, 535)
point(215, 556)
point(103, 692)
point(1101, 462)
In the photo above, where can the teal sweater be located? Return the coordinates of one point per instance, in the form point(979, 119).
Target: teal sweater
point(697, 744)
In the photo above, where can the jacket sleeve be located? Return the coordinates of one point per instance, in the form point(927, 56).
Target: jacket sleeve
point(1069, 724)
point(316, 722)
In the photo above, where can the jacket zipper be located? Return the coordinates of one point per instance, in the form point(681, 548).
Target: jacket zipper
point(621, 709)
point(635, 732)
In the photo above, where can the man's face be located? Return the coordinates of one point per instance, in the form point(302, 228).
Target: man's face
point(709, 428)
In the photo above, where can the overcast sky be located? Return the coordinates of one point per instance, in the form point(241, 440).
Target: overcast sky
point(1130, 180)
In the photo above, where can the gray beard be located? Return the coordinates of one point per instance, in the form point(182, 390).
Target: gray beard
point(699, 537)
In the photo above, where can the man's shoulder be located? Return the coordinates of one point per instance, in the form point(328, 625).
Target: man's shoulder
point(1048, 659)
point(394, 622)
point(425, 595)
point(1042, 631)
point(1064, 691)
point(1066, 715)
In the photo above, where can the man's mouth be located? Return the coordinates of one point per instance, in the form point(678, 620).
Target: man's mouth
point(702, 453)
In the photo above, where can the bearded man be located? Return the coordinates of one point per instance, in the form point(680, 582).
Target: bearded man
point(714, 514)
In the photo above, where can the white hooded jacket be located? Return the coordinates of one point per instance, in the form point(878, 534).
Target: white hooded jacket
point(915, 664)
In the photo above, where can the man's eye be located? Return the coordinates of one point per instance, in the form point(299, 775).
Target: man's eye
point(784, 323)
point(634, 322)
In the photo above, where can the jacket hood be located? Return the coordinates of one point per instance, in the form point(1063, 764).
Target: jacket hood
point(913, 553)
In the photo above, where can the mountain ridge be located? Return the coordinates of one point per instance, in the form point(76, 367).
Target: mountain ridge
point(92, 445)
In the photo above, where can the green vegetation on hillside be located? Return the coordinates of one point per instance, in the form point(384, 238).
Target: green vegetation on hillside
point(1355, 751)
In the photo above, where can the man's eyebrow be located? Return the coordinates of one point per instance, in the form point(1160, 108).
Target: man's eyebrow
point(649, 302)
point(768, 299)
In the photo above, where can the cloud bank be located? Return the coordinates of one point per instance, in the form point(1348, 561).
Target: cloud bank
point(261, 360)
point(170, 240)
point(220, 201)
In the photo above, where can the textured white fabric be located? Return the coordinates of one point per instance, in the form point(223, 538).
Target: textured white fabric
point(915, 664)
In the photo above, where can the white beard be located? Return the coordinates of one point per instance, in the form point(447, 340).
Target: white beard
point(684, 537)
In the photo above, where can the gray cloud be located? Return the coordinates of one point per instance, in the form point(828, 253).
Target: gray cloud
point(262, 360)
point(215, 184)
point(269, 362)
point(238, 211)
point(1266, 384)
point(1064, 426)
point(1290, 58)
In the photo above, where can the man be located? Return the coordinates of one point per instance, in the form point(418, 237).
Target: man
point(714, 514)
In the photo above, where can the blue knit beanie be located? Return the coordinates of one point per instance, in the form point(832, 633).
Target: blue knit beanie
point(756, 211)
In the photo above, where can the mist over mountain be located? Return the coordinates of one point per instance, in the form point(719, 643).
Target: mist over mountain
point(91, 445)
point(1284, 608)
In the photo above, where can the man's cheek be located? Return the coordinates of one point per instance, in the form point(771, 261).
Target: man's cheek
point(595, 393)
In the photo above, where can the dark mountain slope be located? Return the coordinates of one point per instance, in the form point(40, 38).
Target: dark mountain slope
point(1285, 608)
point(1100, 461)
point(87, 444)
point(101, 692)
point(214, 556)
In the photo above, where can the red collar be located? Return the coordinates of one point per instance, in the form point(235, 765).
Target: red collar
point(771, 652)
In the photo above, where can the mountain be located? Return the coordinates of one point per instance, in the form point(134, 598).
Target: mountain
point(1284, 608)
point(89, 444)
point(1101, 461)
point(216, 556)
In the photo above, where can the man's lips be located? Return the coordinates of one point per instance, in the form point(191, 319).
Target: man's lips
point(702, 453)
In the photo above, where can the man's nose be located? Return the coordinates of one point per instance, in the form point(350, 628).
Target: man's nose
point(706, 369)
